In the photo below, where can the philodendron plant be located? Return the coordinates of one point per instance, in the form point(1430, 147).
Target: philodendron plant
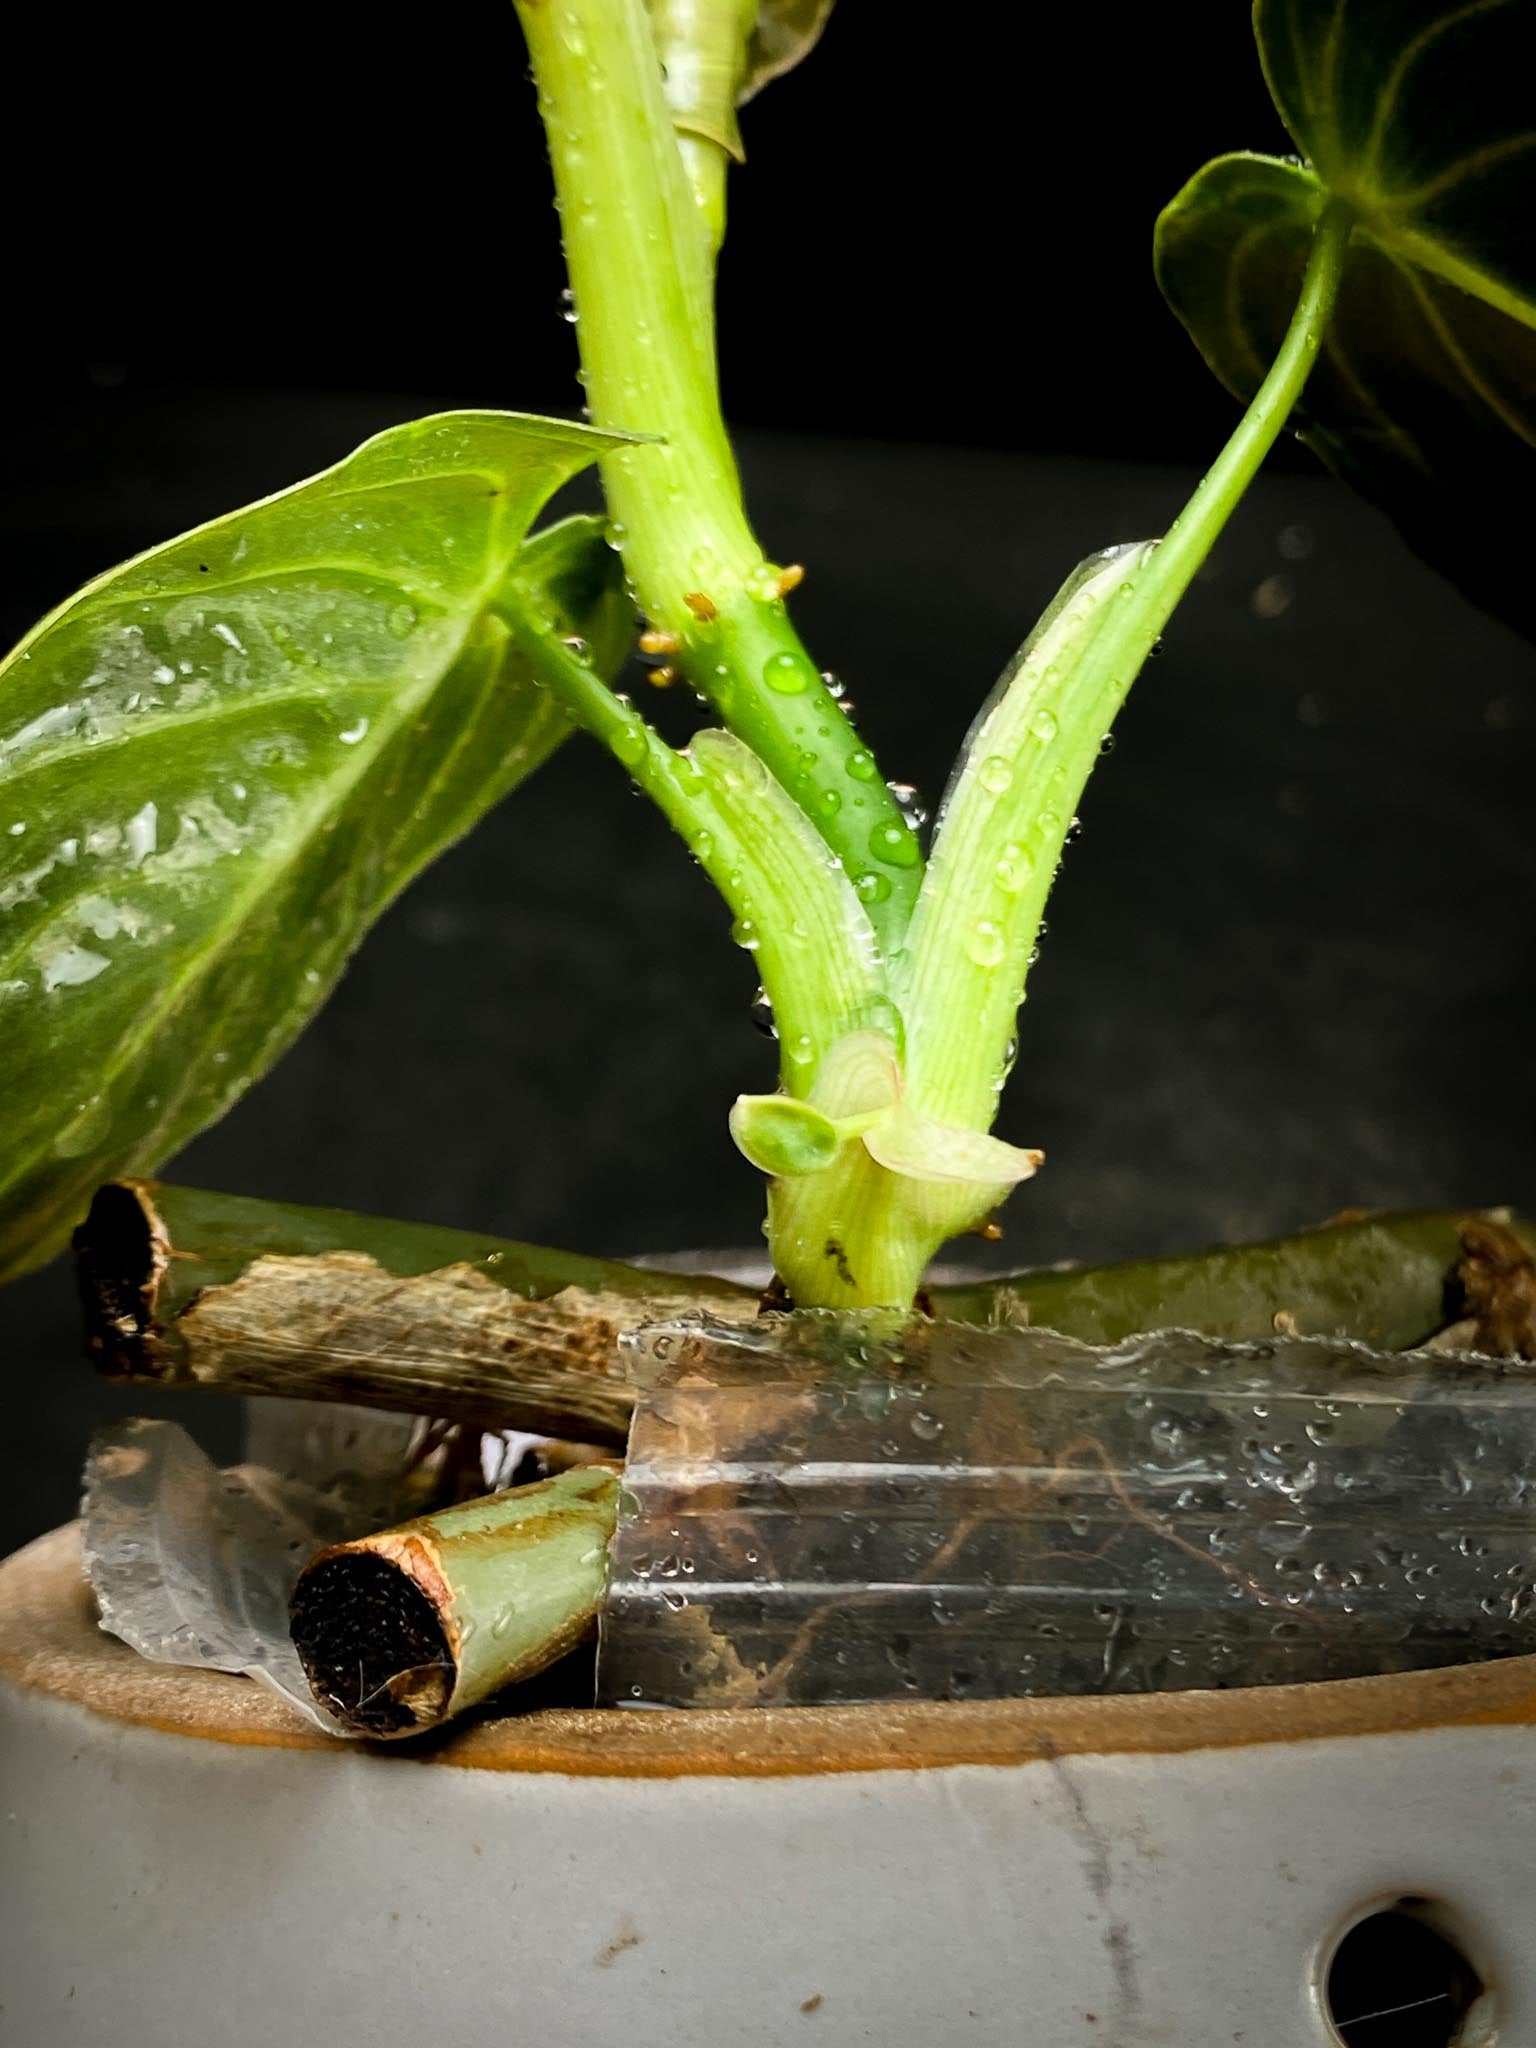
point(220, 762)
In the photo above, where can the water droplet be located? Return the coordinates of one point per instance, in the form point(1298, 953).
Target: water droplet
point(789, 674)
point(762, 1014)
point(986, 943)
point(351, 734)
point(873, 888)
point(68, 966)
point(1271, 598)
point(909, 804)
point(402, 617)
point(1107, 744)
point(894, 845)
point(1014, 867)
point(1295, 542)
point(1044, 725)
point(995, 774)
point(139, 833)
point(800, 1051)
point(861, 766)
point(828, 801)
point(629, 747)
point(703, 845)
point(926, 1425)
point(568, 311)
point(744, 932)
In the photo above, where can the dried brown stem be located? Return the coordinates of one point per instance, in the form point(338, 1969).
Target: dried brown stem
point(324, 1306)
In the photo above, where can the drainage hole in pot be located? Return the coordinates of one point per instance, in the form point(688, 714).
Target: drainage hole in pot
point(1398, 1980)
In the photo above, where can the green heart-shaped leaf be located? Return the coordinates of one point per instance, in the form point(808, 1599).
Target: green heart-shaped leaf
point(220, 762)
point(1420, 116)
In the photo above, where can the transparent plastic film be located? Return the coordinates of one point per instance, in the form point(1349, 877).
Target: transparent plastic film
point(820, 1509)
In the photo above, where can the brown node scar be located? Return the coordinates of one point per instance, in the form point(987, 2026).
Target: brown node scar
point(1497, 1276)
point(655, 640)
point(701, 605)
point(790, 578)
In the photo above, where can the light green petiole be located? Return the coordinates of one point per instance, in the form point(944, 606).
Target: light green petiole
point(793, 907)
point(1031, 752)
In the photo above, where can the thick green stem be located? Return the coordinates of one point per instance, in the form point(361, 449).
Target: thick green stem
point(854, 1233)
point(849, 1237)
point(640, 274)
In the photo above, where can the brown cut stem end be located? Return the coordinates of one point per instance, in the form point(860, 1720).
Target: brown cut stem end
point(122, 1252)
point(375, 1649)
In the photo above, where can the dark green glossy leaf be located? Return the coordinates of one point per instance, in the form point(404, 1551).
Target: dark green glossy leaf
point(1422, 114)
point(1423, 118)
point(220, 762)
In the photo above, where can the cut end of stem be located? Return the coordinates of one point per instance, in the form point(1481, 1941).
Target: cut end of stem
point(374, 1648)
point(122, 1251)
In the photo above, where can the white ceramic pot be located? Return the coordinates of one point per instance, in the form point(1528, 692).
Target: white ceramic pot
point(189, 1866)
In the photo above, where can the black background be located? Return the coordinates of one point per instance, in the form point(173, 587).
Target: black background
point(942, 233)
point(1290, 965)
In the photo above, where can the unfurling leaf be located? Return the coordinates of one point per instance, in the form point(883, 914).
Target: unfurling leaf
point(1420, 116)
point(220, 762)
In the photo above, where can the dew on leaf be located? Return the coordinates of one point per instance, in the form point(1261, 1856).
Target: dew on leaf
point(894, 845)
point(986, 942)
point(789, 674)
point(1013, 869)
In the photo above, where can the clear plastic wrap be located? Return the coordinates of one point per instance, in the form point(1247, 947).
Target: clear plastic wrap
point(193, 1565)
point(825, 1508)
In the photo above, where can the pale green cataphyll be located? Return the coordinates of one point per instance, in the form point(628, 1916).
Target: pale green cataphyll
point(219, 762)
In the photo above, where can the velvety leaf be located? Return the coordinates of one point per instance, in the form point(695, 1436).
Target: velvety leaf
point(1420, 116)
point(1421, 113)
point(220, 762)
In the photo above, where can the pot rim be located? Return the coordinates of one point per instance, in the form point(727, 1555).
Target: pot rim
point(51, 1644)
